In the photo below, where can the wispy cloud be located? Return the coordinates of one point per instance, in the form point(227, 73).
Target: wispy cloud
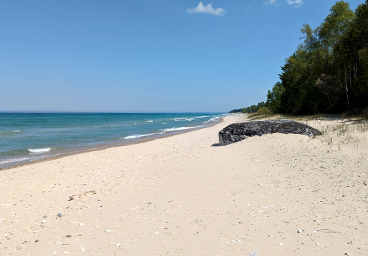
point(207, 9)
point(271, 2)
point(296, 3)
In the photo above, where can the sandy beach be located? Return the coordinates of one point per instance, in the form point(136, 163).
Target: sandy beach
point(183, 195)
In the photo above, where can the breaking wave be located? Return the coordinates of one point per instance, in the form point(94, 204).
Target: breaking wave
point(38, 150)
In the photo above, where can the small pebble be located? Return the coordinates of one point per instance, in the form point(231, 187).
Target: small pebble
point(253, 253)
point(280, 243)
point(43, 221)
point(300, 230)
point(59, 215)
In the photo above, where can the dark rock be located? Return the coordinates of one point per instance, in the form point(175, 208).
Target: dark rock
point(59, 215)
point(240, 131)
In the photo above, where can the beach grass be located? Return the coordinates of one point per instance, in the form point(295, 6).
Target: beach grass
point(338, 130)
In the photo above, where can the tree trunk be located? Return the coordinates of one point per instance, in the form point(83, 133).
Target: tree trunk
point(346, 89)
point(356, 67)
point(329, 100)
point(350, 76)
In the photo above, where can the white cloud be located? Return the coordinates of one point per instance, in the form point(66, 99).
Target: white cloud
point(296, 3)
point(271, 2)
point(207, 9)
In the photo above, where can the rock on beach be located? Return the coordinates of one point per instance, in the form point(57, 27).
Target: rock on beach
point(240, 131)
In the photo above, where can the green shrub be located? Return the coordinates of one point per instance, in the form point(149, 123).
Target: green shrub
point(264, 111)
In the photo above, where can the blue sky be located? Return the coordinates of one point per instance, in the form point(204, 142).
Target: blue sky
point(146, 55)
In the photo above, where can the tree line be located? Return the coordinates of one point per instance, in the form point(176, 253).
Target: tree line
point(250, 109)
point(328, 72)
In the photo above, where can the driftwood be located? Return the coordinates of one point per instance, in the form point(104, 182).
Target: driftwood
point(73, 197)
point(240, 131)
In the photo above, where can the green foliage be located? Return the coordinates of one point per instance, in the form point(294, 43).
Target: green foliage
point(264, 111)
point(237, 110)
point(253, 108)
point(250, 109)
point(274, 98)
point(329, 71)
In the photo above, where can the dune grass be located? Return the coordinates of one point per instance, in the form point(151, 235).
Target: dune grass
point(338, 130)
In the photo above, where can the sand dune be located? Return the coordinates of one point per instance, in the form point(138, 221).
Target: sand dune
point(182, 195)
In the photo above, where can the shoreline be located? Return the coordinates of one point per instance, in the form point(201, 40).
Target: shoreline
point(71, 152)
point(275, 194)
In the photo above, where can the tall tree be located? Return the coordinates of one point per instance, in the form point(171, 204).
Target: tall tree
point(329, 71)
point(330, 33)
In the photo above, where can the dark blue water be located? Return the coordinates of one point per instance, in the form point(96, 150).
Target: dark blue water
point(26, 137)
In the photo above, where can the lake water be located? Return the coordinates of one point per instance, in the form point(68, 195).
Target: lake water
point(26, 137)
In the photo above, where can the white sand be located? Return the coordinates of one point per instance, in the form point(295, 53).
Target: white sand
point(183, 196)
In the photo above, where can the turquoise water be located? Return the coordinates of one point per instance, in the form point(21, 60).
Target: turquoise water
point(26, 137)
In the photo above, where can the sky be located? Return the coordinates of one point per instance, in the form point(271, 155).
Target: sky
point(147, 55)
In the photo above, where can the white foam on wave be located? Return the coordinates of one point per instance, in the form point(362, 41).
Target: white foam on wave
point(213, 119)
point(149, 121)
point(137, 136)
point(16, 131)
point(12, 160)
point(180, 119)
point(39, 150)
point(175, 129)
